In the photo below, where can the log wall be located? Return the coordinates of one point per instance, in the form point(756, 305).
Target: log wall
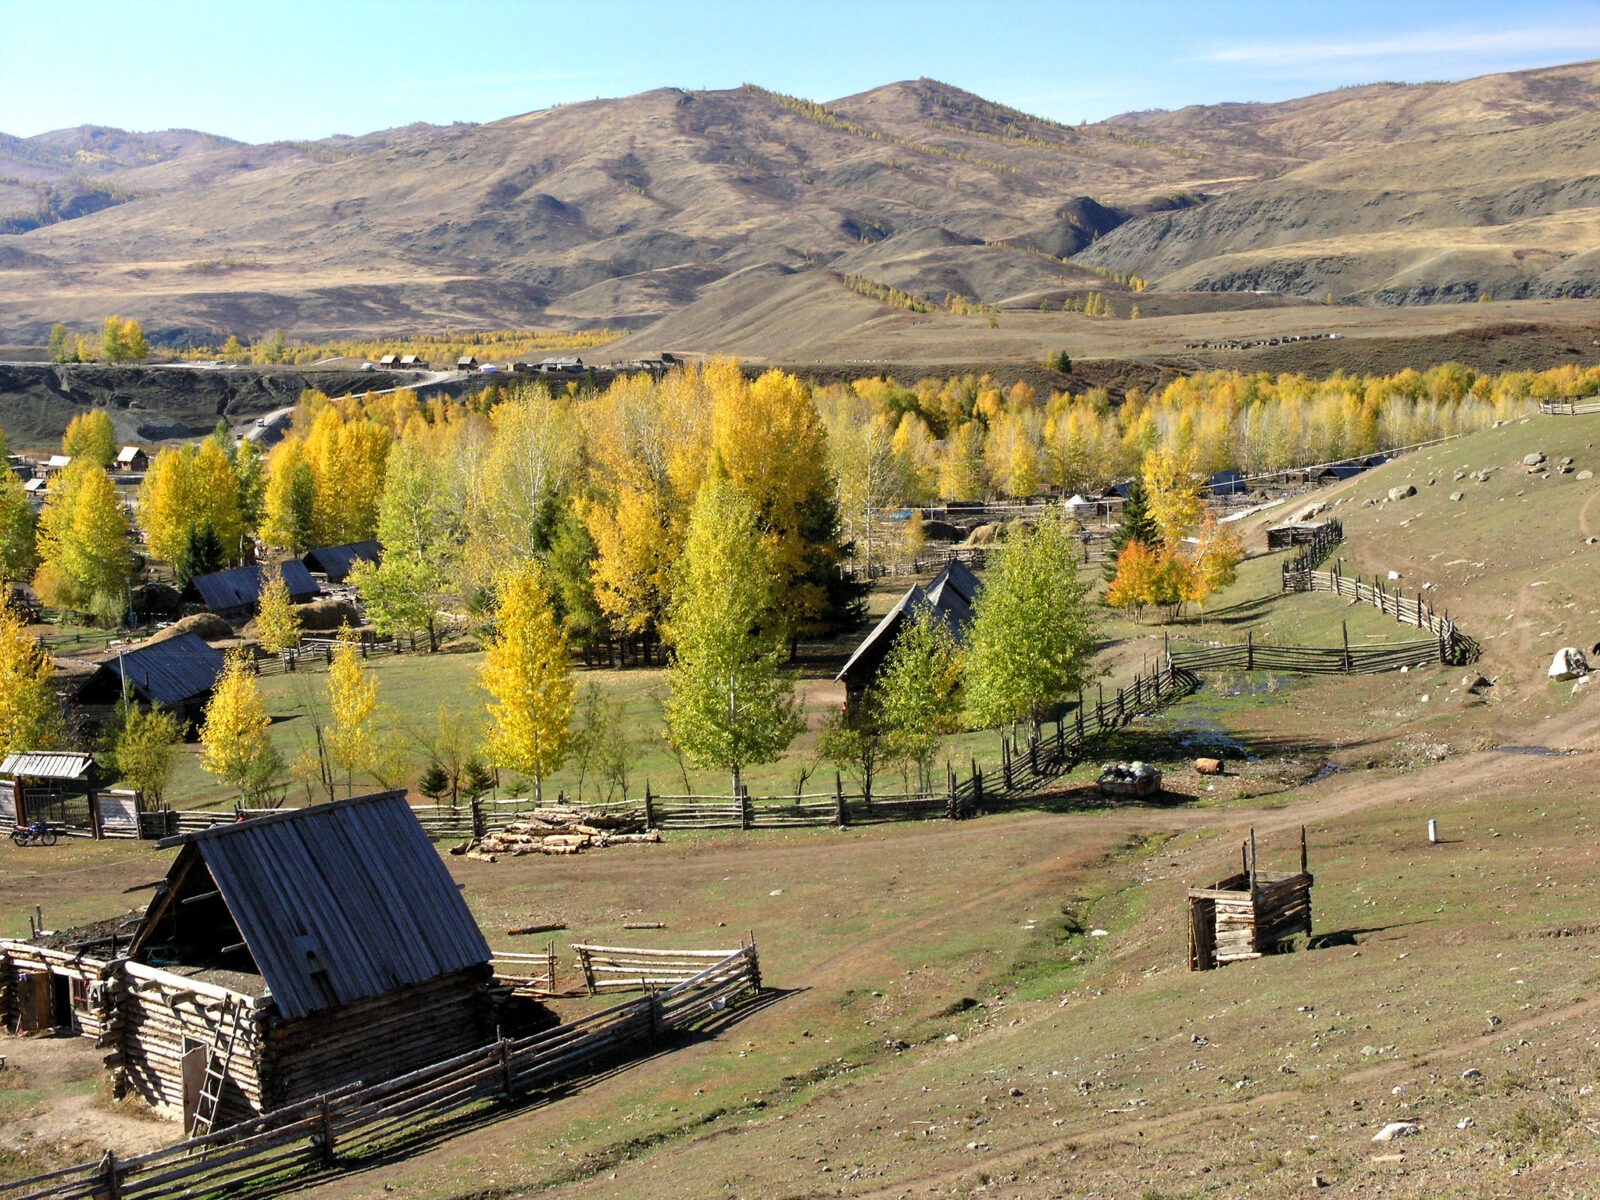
point(157, 1016)
point(377, 1039)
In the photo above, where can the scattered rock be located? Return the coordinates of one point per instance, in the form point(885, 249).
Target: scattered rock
point(1584, 475)
point(1016, 1091)
point(1465, 1123)
point(1396, 1129)
point(1476, 684)
point(1458, 476)
point(1568, 663)
point(1457, 495)
point(1532, 460)
point(1098, 933)
point(1317, 1181)
point(1401, 492)
point(1394, 574)
point(1472, 1073)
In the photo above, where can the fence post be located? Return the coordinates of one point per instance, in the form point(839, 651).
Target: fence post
point(1250, 650)
point(1100, 705)
point(1121, 710)
point(108, 1172)
point(977, 786)
point(1345, 626)
point(840, 818)
point(1005, 762)
point(746, 817)
point(478, 827)
point(324, 1136)
point(1033, 751)
point(506, 1079)
point(649, 808)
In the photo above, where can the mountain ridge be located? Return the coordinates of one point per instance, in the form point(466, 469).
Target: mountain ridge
point(626, 211)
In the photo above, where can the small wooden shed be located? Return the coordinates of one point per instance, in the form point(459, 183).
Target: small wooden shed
point(296, 953)
point(1249, 914)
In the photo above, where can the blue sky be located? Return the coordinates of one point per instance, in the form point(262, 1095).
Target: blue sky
point(310, 68)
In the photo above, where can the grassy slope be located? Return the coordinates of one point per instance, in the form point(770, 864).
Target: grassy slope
point(1131, 1076)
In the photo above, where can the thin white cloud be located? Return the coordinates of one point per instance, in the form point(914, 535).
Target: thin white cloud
point(1564, 42)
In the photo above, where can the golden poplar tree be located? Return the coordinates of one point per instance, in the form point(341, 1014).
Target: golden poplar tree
point(91, 435)
point(1172, 493)
point(352, 703)
point(527, 670)
point(277, 622)
point(289, 502)
point(234, 743)
point(83, 544)
point(30, 717)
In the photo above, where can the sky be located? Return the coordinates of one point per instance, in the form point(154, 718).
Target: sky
point(292, 69)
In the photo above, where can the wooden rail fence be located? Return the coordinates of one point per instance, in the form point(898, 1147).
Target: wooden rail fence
point(1569, 408)
point(260, 1156)
point(1454, 646)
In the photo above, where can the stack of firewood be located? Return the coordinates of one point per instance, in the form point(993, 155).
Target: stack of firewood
point(561, 831)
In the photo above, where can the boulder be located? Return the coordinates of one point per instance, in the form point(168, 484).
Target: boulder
point(1401, 492)
point(1568, 663)
point(1532, 460)
point(1396, 1129)
point(1456, 495)
point(1584, 475)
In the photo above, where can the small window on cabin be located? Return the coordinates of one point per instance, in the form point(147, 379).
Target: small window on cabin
point(80, 995)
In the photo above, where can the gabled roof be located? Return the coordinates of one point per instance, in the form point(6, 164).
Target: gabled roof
point(128, 453)
point(47, 764)
point(335, 903)
point(240, 587)
point(168, 672)
point(57, 461)
point(943, 595)
point(336, 562)
point(957, 577)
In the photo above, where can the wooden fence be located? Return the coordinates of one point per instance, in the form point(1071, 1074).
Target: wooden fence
point(1453, 645)
point(317, 654)
point(1297, 570)
point(260, 1156)
point(1568, 408)
point(1251, 655)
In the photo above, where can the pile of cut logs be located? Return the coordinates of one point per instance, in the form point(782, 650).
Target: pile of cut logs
point(561, 831)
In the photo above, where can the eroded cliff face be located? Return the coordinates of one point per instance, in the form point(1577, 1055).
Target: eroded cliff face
point(153, 403)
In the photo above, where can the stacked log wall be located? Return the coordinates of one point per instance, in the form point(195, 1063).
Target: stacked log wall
point(97, 1018)
point(157, 1017)
point(377, 1039)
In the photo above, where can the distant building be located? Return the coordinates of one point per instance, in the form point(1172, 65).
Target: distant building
point(951, 595)
point(132, 459)
point(336, 562)
point(389, 360)
point(466, 363)
point(56, 462)
point(236, 593)
point(414, 361)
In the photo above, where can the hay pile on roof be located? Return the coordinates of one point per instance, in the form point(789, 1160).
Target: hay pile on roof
point(208, 625)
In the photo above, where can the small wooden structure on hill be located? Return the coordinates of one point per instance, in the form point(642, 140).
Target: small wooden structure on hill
point(1296, 533)
point(1249, 914)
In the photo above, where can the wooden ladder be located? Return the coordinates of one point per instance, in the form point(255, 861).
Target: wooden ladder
point(218, 1060)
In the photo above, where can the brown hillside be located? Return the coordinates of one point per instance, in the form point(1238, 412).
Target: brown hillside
point(626, 211)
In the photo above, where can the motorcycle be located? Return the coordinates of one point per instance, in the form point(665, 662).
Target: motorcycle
point(38, 833)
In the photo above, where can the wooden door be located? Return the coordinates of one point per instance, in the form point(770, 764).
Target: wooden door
point(195, 1055)
point(35, 1002)
point(1202, 934)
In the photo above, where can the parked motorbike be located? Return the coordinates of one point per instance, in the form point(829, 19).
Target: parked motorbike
point(39, 833)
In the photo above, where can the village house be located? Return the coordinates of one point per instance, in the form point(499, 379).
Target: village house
point(334, 563)
point(132, 460)
point(282, 958)
point(176, 673)
point(951, 595)
point(235, 594)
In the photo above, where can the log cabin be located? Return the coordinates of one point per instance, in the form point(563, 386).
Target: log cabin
point(282, 958)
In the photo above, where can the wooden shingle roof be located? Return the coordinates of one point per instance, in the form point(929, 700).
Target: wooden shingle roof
point(240, 587)
point(336, 903)
point(169, 672)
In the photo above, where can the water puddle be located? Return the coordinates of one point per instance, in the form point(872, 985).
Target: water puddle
point(1325, 770)
point(1537, 751)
